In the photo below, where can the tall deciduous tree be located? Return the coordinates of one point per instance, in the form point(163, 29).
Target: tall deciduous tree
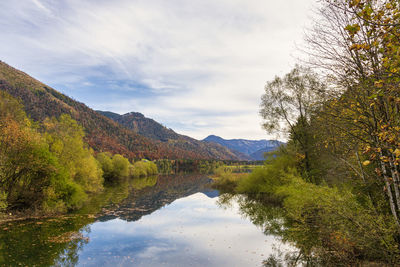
point(288, 104)
point(358, 43)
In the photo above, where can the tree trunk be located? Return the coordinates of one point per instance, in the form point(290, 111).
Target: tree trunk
point(389, 194)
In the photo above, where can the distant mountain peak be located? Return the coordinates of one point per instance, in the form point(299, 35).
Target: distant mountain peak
point(255, 149)
point(136, 114)
point(213, 137)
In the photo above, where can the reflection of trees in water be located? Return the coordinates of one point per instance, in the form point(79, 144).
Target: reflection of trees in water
point(148, 199)
point(36, 243)
point(268, 215)
point(69, 256)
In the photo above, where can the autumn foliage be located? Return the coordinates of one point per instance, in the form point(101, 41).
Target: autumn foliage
point(48, 167)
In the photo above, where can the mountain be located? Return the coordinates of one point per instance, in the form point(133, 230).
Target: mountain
point(102, 133)
point(254, 149)
point(147, 127)
point(144, 126)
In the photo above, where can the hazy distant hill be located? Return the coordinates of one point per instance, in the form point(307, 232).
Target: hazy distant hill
point(102, 134)
point(252, 148)
point(150, 128)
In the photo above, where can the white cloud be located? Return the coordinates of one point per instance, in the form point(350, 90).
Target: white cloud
point(202, 56)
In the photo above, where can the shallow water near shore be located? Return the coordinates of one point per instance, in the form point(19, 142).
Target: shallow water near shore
point(159, 221)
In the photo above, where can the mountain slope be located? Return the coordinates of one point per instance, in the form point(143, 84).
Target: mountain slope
point(138, 123)
point(144, 126)
point(102, 134)
point(252, 148)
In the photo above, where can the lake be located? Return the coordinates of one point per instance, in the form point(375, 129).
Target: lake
point(175, 220)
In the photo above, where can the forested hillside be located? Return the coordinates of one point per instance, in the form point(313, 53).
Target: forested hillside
point(147, 127)
point(138, 123)
point(103, 134)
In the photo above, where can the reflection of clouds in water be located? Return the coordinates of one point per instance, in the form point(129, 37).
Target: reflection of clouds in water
point(151, 252)
point(190, 231)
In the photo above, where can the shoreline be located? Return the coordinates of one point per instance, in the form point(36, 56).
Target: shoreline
point(20, 216)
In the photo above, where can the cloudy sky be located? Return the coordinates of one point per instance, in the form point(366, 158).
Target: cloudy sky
point(196, 66)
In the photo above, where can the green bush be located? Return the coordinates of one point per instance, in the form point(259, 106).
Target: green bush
point(120, 167)
point(143, 168)
point(333, 223)
point(268, 178)
point(115, 167)
point(105, 162)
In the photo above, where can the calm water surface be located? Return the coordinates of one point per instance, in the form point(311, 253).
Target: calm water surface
point(165, 221)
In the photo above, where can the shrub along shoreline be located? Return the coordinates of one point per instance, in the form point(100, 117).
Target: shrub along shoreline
point(329, 224)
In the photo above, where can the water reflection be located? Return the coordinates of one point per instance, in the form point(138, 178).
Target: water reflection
point(170, 221)
point(151, 197)
point(267, 214)
point(43, 243)
point(191, 231)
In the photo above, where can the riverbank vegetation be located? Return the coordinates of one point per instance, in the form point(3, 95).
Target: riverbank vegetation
point(337, 179)
point(168, 166)
point(225, 179)
point(48, 167)
point(329, 224)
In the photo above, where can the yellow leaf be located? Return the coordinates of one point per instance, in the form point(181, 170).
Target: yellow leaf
point(367, 162)
point(397, 152)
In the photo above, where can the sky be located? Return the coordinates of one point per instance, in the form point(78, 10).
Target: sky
point(198, 67)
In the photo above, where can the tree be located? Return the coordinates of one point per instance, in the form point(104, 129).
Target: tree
point(65, 138)
point(288, 104)
point(357, 42)
point(30, 175)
